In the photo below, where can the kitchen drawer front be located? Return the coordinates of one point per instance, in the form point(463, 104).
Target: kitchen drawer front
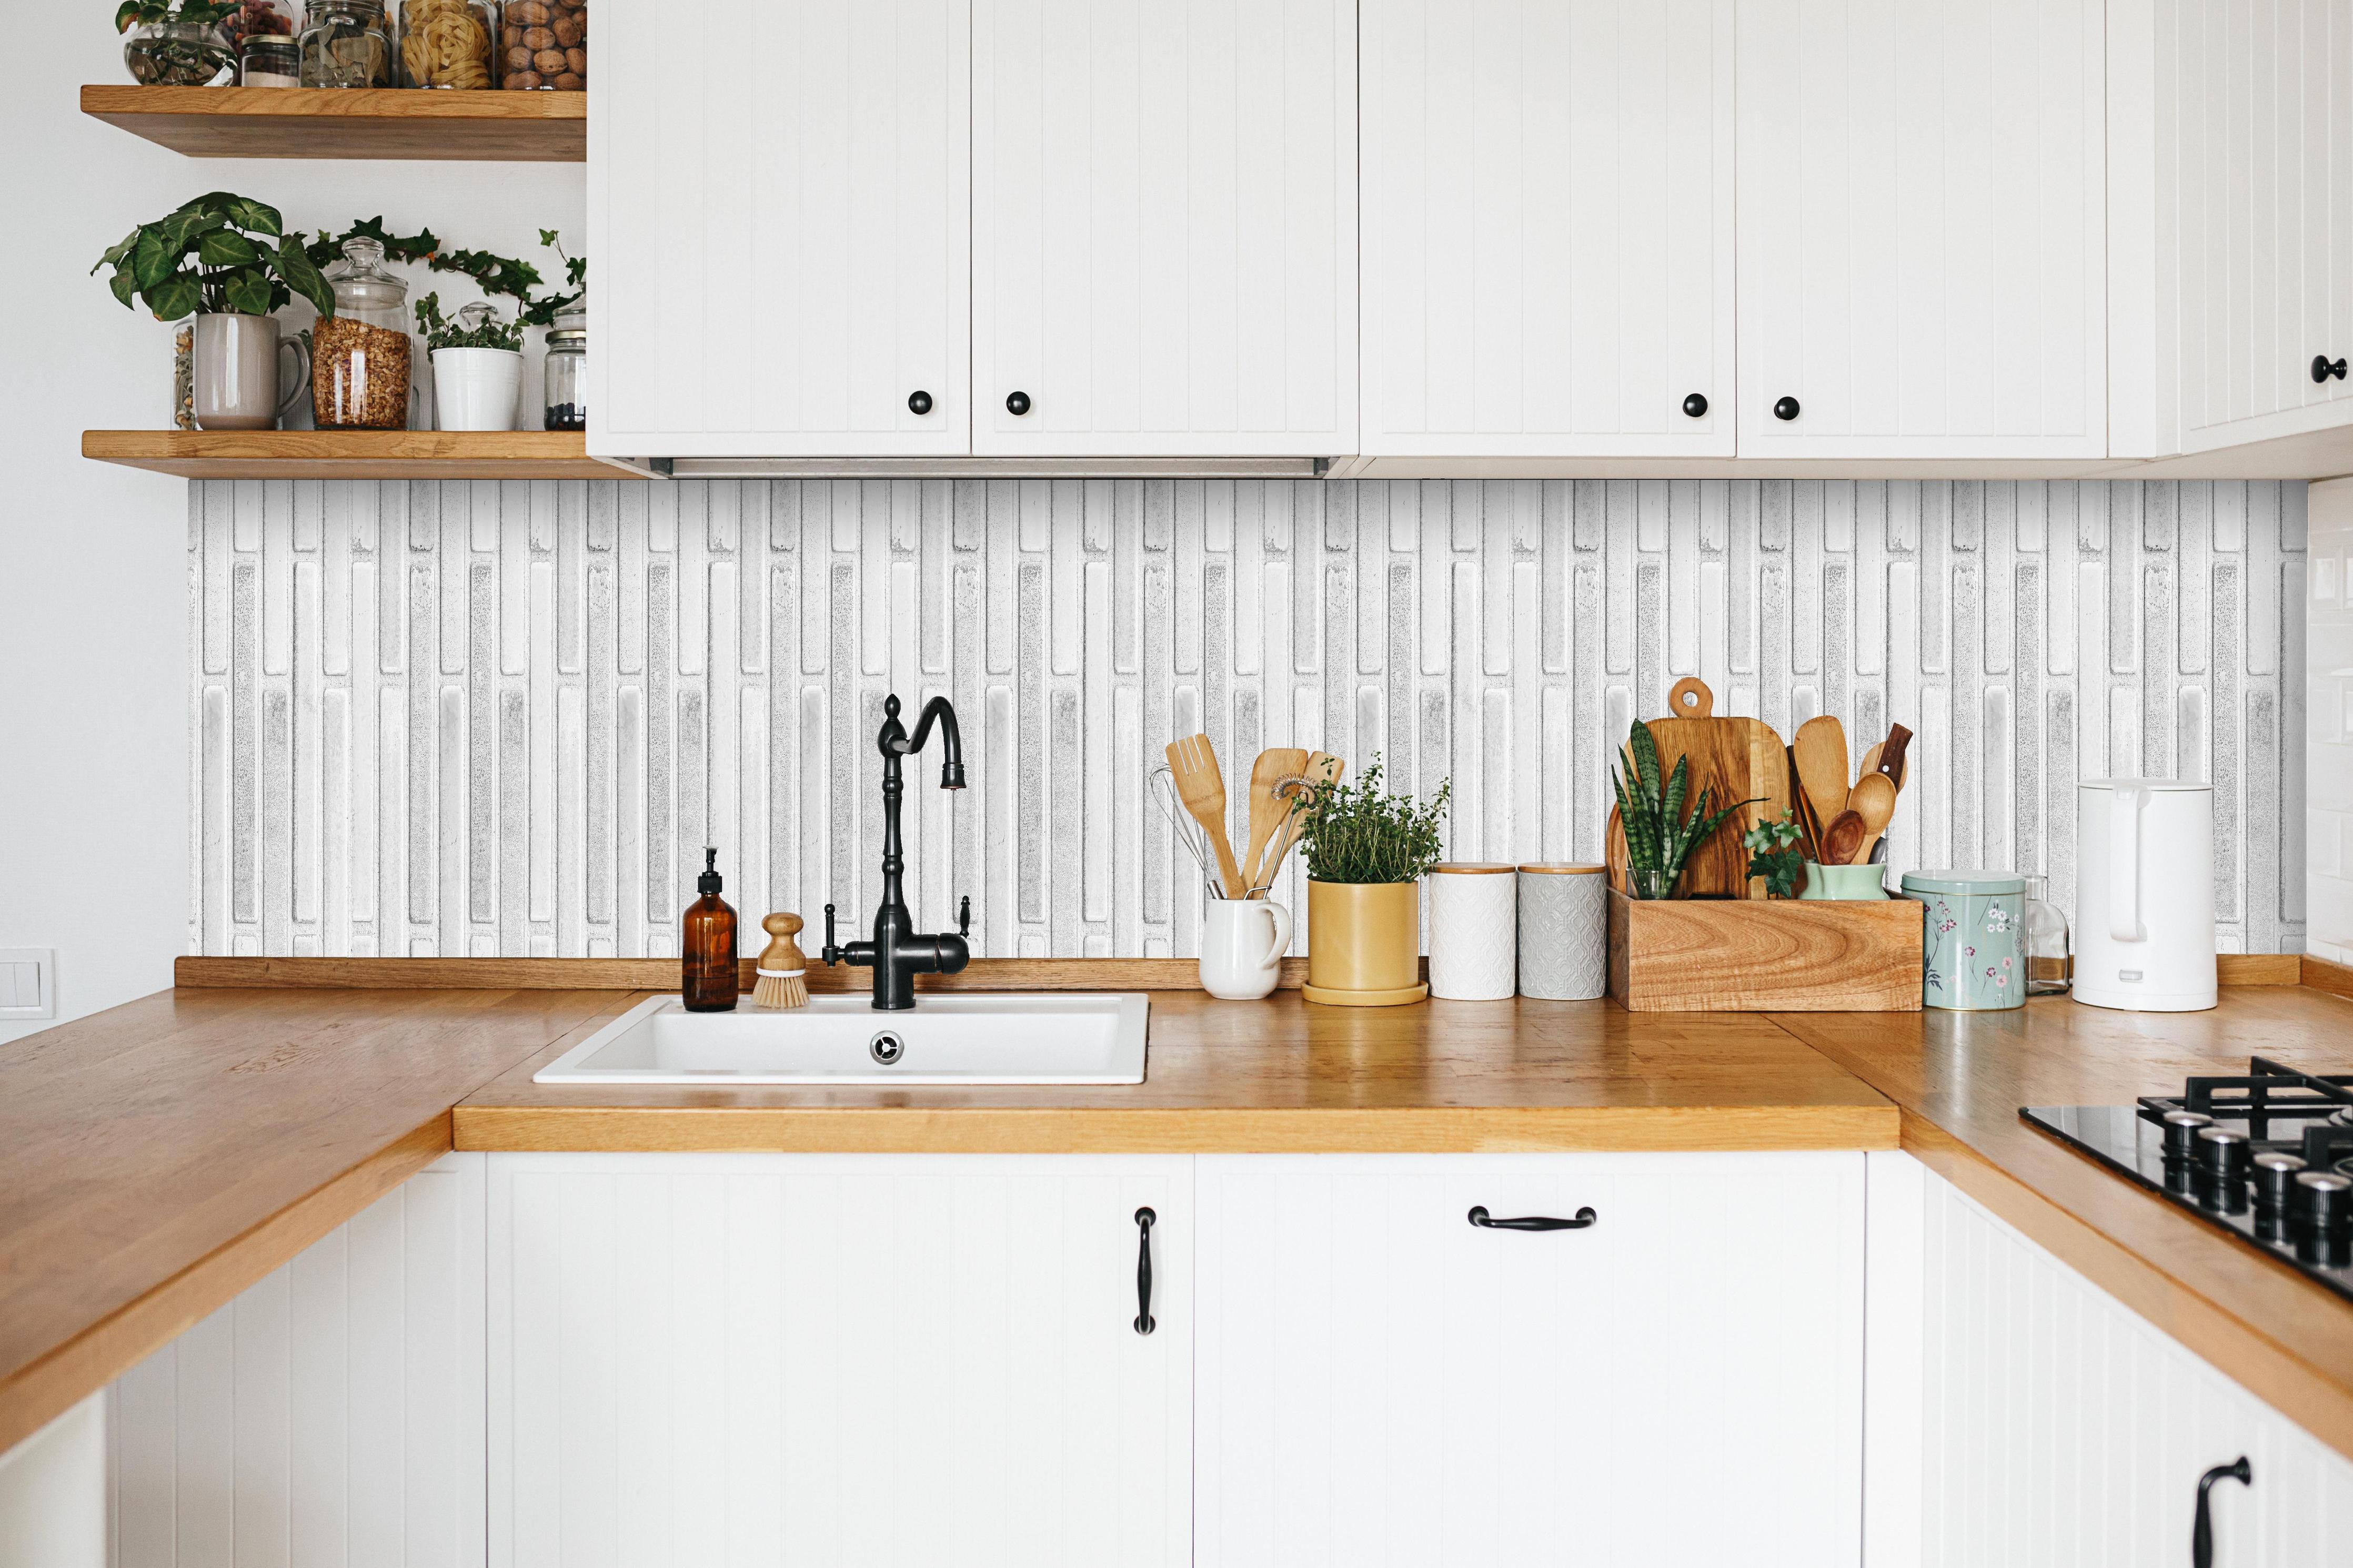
point(1381, 1382)
point(837, 1359)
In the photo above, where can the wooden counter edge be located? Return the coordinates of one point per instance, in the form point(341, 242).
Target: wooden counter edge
point(1047, 1130)
point(42, 1390)
point(2244, 1353)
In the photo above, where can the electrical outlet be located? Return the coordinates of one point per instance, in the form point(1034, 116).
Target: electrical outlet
point(27, 983)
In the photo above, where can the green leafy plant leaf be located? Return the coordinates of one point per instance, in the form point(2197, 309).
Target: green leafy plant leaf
point(1358, 832)
point(177, 296)
point(226, 248)
point(294, 265)
point(246, 290)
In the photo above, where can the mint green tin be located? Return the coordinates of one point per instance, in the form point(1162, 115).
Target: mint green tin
point(1975, 946)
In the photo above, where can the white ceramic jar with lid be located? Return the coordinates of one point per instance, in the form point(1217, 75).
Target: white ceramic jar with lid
point(1474, 940)
point(1564, 931)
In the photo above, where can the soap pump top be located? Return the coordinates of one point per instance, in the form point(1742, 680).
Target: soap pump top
point(709, 974)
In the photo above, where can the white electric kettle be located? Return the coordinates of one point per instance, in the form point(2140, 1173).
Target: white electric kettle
point(2145, 895)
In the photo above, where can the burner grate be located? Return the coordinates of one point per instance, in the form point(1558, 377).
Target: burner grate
point(2269, 1091)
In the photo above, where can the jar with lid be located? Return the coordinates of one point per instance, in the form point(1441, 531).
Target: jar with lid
point(449, 43)
point(252, 19)
point(346, 43)
point(359, 356)
point(567, 369)
point(271, 60)
point(543, 44)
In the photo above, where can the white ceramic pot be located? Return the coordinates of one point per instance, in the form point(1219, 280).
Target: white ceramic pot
point(234, 372)
point(1242, 943)
point(1473, 931)
point(476, 389)
point(1564, 931)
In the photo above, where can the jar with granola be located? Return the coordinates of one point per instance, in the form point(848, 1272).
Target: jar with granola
point(449, 43)
point(359, 356)
point(543, 44)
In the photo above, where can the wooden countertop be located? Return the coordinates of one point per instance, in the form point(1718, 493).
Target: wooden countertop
point(1960, 1079)
point(1281, 1075)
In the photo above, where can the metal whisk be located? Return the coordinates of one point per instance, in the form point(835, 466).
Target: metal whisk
point(1188, 832)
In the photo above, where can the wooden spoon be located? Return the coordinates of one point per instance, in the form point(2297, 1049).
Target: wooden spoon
point(1267, 809)
point(1873, 802)
point(1193, 765)
point(1845, 840)
point(1820, 755)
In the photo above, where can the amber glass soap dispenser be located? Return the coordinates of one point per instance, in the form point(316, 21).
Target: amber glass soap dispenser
point(706, 938)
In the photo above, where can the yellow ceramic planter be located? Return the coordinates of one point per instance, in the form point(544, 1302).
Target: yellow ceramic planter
point(1364, 943)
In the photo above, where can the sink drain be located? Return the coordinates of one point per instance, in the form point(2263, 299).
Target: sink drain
point(886, 1047)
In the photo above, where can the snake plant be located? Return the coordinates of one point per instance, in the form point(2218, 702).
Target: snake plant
point(1659, 835)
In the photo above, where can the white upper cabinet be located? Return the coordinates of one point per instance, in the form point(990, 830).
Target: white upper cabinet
point(1548, 222)
point(778, 217)
point(1921, 228)
point(1163, 227)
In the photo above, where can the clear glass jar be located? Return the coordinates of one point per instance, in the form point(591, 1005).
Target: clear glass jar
point(359, 356)
point(449, 43)
point(178, 54)
point(258, 19)
point(543, 44)
point(2049, 970)
point(346, 43)
point(270, 60)
point(566, 379)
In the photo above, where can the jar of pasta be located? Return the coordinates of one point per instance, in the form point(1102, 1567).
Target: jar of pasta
point(449, 43)
point(359, 355)
point(544, 44)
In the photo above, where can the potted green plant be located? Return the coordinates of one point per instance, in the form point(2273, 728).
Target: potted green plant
point(1660, 833)
point(1368, 851)
point(226, 260)
point(1775, 855)
point(477, 365)
point(176, 43)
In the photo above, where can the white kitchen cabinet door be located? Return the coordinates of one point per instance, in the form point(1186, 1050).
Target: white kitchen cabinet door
point(1381, 1382)
point(778, 219)
point(1547, 218)
point(2257, 162)
point(1921, 228)
point(1164, 227)
point(834, 1358)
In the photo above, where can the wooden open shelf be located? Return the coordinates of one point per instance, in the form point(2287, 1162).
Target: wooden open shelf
point(354, 454)
point(364, 122)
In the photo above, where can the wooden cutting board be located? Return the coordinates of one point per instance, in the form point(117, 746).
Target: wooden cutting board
point(1733, 758)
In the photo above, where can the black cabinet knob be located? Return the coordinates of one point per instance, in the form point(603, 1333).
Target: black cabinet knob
point(1787, 408)
point(1017, 404)
point(2323, 367)
point(1695, 406)
point(919, 402)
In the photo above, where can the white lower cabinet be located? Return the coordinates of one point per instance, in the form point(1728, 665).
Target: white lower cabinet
point(1380, 1382)
point(838, 1360)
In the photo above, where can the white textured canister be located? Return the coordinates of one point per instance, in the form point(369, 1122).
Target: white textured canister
point(1472, 922)
point(1563, 932)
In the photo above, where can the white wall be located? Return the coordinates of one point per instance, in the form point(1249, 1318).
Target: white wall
point(2328, 752)
point(94, 606)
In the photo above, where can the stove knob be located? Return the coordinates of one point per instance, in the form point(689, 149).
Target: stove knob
point(2323, 1203)
point(2181, 1132)
point(2343, 1118)
point(2222, 1154)
point(2274, 1181)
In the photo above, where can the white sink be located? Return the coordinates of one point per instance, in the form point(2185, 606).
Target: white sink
point(1009, 1038)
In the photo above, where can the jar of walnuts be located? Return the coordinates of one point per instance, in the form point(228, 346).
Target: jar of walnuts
point(544, 44)
point(448, 43)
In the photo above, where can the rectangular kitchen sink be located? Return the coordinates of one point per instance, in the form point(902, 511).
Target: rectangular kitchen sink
point(956, 1040)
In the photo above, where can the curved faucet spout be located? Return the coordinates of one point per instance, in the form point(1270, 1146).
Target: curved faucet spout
point(941, 712)
point(898, 952)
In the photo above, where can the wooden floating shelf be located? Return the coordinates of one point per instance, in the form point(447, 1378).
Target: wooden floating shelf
point(354, 454)
point(359, 122)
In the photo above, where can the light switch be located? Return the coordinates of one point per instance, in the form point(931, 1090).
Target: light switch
point(27, 983)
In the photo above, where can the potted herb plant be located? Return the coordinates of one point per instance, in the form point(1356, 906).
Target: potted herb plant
point(1660, 833)
point(176, 43)
point(1366, 852)
point(226, 260)
point(477, 365)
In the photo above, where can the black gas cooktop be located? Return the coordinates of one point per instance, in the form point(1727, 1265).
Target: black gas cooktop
point(2267, 1155)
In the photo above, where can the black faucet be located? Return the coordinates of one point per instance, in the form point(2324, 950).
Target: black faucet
point(898, 952)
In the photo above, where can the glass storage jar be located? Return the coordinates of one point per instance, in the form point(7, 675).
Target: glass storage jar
point(271, 60)
point(544, 44)
point(177, 54)
point(567, 390)
point(359, 356)
point(258, 19)
point(2049, 970)
point(346, 43)
point(449, 43)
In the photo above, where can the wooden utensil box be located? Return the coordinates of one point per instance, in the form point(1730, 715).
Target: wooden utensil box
point(1779, 955)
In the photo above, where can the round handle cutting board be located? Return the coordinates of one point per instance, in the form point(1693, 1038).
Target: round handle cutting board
point(1735, 758)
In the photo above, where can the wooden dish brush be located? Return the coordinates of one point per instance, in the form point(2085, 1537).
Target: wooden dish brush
point(782, 969)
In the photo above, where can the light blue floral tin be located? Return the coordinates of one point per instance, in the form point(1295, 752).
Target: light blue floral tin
point(1976, 940)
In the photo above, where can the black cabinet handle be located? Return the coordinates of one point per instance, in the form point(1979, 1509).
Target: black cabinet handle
point(963, 917)
point(1144, 1323)
point(2323, 367)
point(1480, 1218)
point(2201, 1528)
point(1696, 406)
point(1787, 408)
point(1017, 404)
point(919, 402)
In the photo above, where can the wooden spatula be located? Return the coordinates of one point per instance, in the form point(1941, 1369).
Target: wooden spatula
point(1193, 765)
point(1274, 765)
point(1887, 757)
point(1819, 753)
point(1872, 801)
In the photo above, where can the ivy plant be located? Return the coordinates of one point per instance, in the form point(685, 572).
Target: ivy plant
point(476, 327)
point(220, 252)
point(1774, 854)
point(1660, 833)
point(543, 309)
point(1360, 833)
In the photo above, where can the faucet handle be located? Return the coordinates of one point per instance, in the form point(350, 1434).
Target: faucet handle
point(963, 917)
point(830, 954)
